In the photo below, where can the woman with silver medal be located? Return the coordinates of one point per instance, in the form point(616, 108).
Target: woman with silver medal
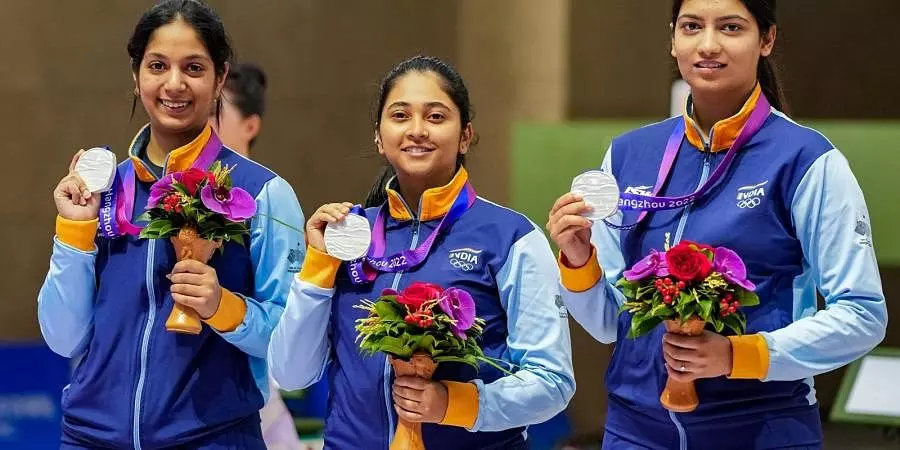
point(747, 178)
point(421, 217)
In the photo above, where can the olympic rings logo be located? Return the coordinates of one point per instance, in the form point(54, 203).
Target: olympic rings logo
point(462, 265)
point(749, 203)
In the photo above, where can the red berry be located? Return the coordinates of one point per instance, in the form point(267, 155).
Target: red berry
point(723, 313)
point(736, 304)
point(667, 299)
point(731, 309)
point(680, 285)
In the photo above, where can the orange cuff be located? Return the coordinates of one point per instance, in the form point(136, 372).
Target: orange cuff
point(319, 268)
point(580, 279)
point(462, 404)
point(230, 314)
point(749, 357)
point(77, 233)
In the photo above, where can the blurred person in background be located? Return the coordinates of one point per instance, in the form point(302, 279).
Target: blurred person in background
point(238, 124)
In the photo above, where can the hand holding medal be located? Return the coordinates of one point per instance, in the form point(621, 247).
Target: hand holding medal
point(599, 191)
point(90, 172)
point(594, 196)
point(332, 229)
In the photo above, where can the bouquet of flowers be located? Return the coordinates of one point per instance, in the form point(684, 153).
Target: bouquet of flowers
point(687, 287)
point(197, 210)
point(418, 328)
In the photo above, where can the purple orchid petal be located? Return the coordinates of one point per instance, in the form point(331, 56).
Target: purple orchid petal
point(208, 197)
point(238, 204)
point(652, 264)
point(241, 204)
point(159, 190)
point(460, 306)
point(732, 268)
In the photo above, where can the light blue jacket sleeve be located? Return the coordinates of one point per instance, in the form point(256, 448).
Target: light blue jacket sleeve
point(596, 309)
point(66, 300)
point(832, 223)
point(300, 348)
point(276, 252)
point(538, 342)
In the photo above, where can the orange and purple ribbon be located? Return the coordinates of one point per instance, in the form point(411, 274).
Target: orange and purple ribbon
point(365, 269)
point(647, 203)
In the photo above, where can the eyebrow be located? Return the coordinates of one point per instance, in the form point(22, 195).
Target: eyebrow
point(427, 105)
point(718, 19)
point(161, 56)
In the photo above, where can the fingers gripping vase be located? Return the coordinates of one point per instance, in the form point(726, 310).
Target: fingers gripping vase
point(682, 396)
point(189, 245)
point(409, 434)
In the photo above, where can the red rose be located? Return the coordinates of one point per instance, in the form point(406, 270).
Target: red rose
point(687, 264)
point(700, 246)
point(192, 178)
point(418, 293)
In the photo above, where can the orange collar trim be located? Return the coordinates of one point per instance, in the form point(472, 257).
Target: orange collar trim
point(435, 202)
point(178, 160)
point(725, 131)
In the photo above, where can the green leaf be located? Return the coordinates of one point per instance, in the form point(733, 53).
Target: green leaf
point(427, 343)
point(748, 298)
point(386, 311)
point(684, 297)
point(628, 288)
point(684, 310)
point(168, 229)
point(643, 325)
point(734, 324)
point(706, 307)
point(395, 347)
point(661, 310)
point(719, 325)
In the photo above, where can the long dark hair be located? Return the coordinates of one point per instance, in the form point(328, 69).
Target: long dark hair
point(199, 16)
point(767, 71)
point(452, 84)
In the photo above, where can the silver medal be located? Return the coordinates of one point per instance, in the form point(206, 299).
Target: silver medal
point(97, 167)
point(348, 239)
point(600, 191)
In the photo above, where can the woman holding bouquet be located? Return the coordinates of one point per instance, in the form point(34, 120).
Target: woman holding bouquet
point(423, 129)
point(106, 298)
point(787, 204)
